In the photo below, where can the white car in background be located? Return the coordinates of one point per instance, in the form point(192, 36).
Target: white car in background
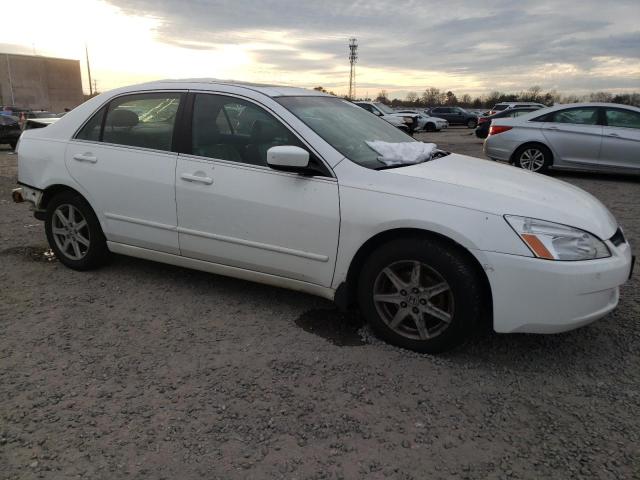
point(306, 191)
point(427, 122)
point(602, 137)
point(499, 107)
point(408, 121)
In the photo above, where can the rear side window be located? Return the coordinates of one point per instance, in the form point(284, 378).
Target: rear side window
point(91, 129)
point(142, 120)
point(499, 108)
point(623, 118)
point(577, 116)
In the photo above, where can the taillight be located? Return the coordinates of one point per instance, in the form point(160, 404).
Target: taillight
point(496, 129)
point(482, 120)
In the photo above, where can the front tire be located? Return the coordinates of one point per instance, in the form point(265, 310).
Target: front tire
point(535, 158)
point(471, 123)
point(74, 233)
point(430, 127)
point(420, 294)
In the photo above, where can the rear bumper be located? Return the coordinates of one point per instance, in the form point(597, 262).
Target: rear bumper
point(540, 296)
point(498, 149)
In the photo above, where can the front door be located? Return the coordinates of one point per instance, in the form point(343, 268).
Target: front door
point(235, 210)
point(127, 169)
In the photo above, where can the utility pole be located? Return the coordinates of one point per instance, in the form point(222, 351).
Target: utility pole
point(86, 51)
point(353, 58)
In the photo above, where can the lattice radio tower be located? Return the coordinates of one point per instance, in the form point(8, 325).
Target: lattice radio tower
point(353, 58)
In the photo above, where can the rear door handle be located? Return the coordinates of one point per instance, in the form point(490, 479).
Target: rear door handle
point(196, 178)
point(614, 135)
point(85, 157)
point(554, 128)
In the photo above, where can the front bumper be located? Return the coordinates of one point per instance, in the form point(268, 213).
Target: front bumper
point(531, 295)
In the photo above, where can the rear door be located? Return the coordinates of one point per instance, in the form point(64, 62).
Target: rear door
point(123, 159)
point(621, 139)
point(574, 136)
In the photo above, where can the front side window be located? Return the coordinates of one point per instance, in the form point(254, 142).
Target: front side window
point(144, 120)
point(577, 116)
point(623, 118)
point(344, 126)
point(229, 128)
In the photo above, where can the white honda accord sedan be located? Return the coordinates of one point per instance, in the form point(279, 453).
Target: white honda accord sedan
point(307, 191)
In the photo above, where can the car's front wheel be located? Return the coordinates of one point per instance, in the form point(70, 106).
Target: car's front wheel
point(472, 123)
point(430, 127)
point(535, 158)
point(74, 233)
point(420, 294)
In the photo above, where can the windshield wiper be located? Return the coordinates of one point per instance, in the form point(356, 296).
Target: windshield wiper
point(436, 154)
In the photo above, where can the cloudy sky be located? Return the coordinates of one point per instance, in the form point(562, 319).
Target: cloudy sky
point(573, 46)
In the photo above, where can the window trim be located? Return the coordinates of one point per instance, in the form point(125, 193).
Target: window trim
point(185, 146)
point(605, 122)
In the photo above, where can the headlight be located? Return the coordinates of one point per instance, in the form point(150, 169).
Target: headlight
point(554, 241)
point(407, 119)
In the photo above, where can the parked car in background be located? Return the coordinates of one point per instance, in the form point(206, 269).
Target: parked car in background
point(426, 122)
point(482, 130)
point(408, 122)
point(455, 116)
point(322, 197)
point(580, 136)
point(9, 130)
point(498, 107)
point(31, 123)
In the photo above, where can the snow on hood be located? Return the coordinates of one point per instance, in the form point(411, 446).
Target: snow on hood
point(404, 153)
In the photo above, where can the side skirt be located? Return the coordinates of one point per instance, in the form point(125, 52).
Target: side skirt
point(224, 270)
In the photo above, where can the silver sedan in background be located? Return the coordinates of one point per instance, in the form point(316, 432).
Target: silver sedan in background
point(579, 136)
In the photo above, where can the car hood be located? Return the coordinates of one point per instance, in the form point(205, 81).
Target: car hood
point(506, 190)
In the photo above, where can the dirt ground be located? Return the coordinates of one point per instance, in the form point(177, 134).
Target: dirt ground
point(142, 370)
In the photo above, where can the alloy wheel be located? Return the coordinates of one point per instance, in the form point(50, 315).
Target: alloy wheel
point(532, 159)
point(71, 231)
point(413, 299)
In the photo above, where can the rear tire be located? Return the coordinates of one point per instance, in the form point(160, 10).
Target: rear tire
point(535, 158)
point(420, 294)
point(74, 233)
point(13, 145)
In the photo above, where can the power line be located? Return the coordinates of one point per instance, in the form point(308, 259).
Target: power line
point(353, 58)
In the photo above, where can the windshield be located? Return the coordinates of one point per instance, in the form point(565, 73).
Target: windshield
point(345, 126)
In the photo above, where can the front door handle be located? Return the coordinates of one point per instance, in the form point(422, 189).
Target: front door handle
point(614, 135)
point(196, 178)
point(554, 128)
point(85, 157)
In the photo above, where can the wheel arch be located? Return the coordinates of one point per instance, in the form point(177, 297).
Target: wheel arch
point(52, 190)
point(345, 296)
point(531, 143)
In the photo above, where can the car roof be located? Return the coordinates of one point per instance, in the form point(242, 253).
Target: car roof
point(211, 83)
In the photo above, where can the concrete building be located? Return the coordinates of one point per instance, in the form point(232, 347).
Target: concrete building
point(40, 83)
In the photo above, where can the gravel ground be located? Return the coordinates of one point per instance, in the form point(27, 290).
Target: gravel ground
point(142, 370)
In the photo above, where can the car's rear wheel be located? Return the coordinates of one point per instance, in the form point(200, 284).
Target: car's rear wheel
point(74, 233)
point(471, 123)
point(535, 158)
point(13, 145)
point(420, 294)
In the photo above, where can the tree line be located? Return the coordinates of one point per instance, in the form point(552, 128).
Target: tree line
point(433, 97)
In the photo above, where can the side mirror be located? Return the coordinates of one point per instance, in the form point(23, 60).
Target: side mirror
point(378, 113)
point(288, 158)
